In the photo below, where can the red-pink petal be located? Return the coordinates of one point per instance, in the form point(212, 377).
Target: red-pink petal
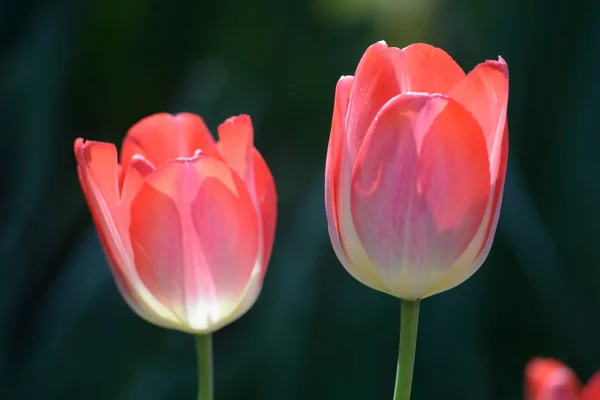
point(98, 161)
point(591, 391)
point(484, 92)
point(135, 176)
point(333, 164)
point(97, 170)
point(424, 68)
point(267, 200)
point(374, 84)
point(236, 138)
point(420, 184)
point(157, 238)
point(195, 230)
point(478, 250)
point(498, 191)
point(161, 137)
point(549, 379)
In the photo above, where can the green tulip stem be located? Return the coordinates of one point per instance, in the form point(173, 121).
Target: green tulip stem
point(205, 367)
point(409, 323)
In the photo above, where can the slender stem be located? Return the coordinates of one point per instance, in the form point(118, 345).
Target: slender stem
point(205, 371)
point(409, 323)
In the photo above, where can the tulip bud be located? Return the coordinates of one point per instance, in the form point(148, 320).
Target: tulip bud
point(415, 168)
point(187, 224)
point(548, 379)
point(591, 391)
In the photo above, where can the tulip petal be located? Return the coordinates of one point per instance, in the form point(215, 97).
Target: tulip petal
point(484, 92)
point(591, 391)
point(194, 231)
point(490, 81)
point(374, 84)
point(420, 189)
point(498, 191)
point(236, 138)
point(157, 239)
point(424, 68)
point(139, 169)
point(161, 137)
point(97, 169)
point(474, 256)
point(267, 200)
point(97, 161)
point(333, 164)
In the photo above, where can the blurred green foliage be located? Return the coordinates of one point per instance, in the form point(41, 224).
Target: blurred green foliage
point(93, 68)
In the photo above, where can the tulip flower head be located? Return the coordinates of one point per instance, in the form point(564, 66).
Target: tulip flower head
point(549, 379)
point(415, 168)
point(187, 224)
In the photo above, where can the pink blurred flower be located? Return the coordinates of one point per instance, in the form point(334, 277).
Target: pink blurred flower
point(549, 379)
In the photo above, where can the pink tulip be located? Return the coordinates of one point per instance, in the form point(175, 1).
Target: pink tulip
point(549, 379)
point(187, 224)
point(415, 168)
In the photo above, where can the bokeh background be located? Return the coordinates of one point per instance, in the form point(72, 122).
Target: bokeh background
point(92, 68)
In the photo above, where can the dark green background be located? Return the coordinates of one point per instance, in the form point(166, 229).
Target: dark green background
point(93, 68)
